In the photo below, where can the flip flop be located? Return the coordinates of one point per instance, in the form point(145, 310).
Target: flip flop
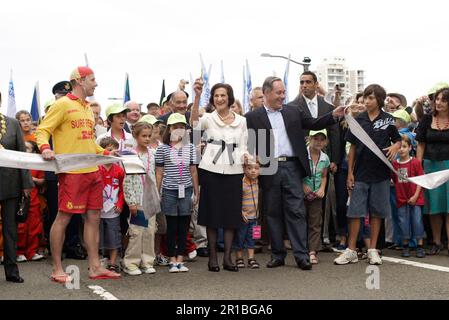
point(61, 278)
point(106, 275)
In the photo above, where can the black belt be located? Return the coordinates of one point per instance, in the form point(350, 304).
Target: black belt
point(284, 159)
point(230, 147)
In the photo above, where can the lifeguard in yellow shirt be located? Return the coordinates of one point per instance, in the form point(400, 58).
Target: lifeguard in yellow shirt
point(70, 122)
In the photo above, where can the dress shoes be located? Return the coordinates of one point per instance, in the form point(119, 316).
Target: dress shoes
point(274, 263)
point(231, 267)
point(15, 279)
point(213, 268)
point(305, 265)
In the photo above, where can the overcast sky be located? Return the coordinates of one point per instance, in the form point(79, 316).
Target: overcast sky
point(401, 45)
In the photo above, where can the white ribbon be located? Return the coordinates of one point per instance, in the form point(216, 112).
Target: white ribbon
point(427, 181)
point(65, 162)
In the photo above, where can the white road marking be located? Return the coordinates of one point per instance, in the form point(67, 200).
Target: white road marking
point(102, 293)
point(416, 264)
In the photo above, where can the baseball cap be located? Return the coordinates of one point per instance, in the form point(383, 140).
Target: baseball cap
point(438, 86)
point(62, 87)
point(115, 109)
point(314, 133)
point(403, 115)
point(149, 119)
point(176, 118)
point(400, 97)
point(80, 72)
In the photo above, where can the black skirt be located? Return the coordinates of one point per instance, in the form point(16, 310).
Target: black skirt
point(220, 200)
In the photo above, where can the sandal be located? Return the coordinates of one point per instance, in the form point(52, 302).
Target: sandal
point(313, 258)
point(253, 264)
point(436, 248)
point(240, 263)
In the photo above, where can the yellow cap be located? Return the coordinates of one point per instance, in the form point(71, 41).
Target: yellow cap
point(403, 115)
point(176, 118)
point(115, 109)
point(314, 133)
point(149, 118)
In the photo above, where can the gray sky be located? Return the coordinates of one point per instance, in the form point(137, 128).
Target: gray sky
point(401, 45)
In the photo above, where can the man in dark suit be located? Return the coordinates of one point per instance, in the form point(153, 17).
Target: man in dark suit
point(279, 138)
point(315, 106)
point(13, 182)
point(178, 101)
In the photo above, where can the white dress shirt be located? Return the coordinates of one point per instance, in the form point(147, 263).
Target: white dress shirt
point(313, 106)
point(282, 144)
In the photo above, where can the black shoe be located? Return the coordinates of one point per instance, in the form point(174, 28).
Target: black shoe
point(231, 267)
point(15, 279)
point(202, 252)
point(274, 263)
point(305, 265)
point(213, 268)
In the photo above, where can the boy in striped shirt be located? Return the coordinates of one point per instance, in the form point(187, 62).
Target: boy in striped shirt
point(250, 206)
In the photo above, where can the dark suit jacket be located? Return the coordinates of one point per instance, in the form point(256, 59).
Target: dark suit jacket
point(333, 148)
point(295, 121)
point(13, 181)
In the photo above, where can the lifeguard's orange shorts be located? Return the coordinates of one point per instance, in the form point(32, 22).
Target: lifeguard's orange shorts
point(78, 193)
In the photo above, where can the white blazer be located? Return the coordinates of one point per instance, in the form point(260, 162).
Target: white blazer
point(226, 143)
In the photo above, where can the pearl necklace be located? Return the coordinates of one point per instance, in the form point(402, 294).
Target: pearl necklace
point(446, 125)
point(226, 117)
point(2, 128)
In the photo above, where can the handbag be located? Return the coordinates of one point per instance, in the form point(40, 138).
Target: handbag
point(24, 208)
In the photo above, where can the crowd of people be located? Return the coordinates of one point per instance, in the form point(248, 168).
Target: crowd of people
point(282, 176)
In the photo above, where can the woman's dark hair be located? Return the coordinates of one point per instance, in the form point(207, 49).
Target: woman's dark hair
point(166, 136)
point(228, 89)
point(378, 91)
point(444, 96)
point(35, 148)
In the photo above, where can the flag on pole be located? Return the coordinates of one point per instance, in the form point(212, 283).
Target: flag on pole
point(126, 95)
point(204, 101)
point(222, 78)
point(85, 59)
point(162, 92)
point(35, 105)
point(244, 102)
point(248, 88)
point(11, 110)
point(192, 92)
point(287, 68)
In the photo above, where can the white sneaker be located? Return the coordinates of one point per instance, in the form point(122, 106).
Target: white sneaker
point(373, 257)
point(21, 258)
point(149, 270)
point(192, 255)
point(133, 272)
point(348, 256)
point(182, 267)
point(173, 268)
point(37, 257)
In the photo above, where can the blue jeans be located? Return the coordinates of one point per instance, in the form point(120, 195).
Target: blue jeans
point(394, 217)
point(245, 236)
point(410, 222)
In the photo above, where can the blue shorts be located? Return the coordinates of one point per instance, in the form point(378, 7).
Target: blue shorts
point(245, 236)
point(371, 197)
point(171, 205)
point(110, 233)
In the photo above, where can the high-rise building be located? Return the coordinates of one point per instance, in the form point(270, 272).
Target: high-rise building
point(333, 70)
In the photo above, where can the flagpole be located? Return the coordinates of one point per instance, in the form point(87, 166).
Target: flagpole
point(85, 59)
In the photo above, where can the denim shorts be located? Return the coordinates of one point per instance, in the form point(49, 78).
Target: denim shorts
point(373, 197)
point(411, 224)
point(110, 234)
point(245, 236)
point(171, 205)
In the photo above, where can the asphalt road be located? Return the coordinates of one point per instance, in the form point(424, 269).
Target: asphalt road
point(325, 281)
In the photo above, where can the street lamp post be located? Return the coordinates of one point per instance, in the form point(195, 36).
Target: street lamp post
point(305, 62)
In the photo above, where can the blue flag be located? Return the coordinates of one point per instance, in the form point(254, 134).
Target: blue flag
point(11, 110)
point(287, 68)
point(35, 105)
point(247, 89)
point(127, 95)
point(204, 100)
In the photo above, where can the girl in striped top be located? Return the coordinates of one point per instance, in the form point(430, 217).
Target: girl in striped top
point(177, 175)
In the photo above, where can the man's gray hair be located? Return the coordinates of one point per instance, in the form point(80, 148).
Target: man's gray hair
point(268, 84)
point(172, 98)
point(128, 103)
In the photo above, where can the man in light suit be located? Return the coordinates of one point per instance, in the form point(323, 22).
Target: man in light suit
point(284, 145)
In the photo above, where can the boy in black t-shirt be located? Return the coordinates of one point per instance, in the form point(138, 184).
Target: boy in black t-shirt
point(368, 176)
